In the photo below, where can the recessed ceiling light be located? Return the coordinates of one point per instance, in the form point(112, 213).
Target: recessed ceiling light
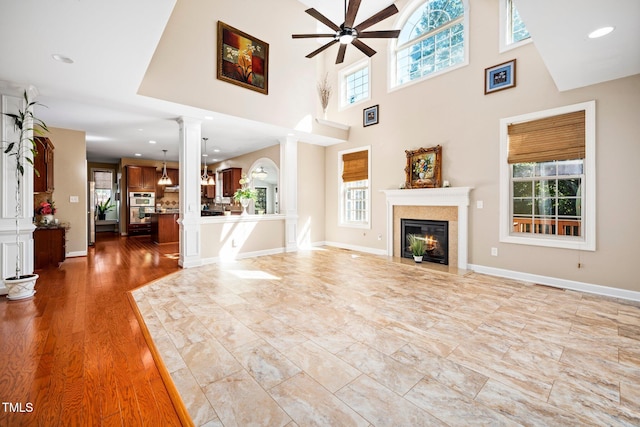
point(152, 141)
point(600, 32)
point(205, 155)
point(214, 160)
point(208, 117)
point(138, 155)
point(216, 150)
point(62, 58)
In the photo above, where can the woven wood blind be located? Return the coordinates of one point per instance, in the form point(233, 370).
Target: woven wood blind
point(552, 138)
point(355, 166)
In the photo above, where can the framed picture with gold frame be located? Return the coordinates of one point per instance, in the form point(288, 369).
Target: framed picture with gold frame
point(424, 168)
point(242, 59)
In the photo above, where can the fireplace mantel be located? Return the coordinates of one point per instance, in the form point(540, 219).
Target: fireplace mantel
point(450, 196)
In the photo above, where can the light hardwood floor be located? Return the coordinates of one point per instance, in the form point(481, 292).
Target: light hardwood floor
point(336, 338)
point(74, 354)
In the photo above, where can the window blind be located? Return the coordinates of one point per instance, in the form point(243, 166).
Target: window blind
point(103, 179)
point(355, 166)
point(559, 137)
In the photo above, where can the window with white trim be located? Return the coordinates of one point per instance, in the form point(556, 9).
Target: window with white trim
point(431, 41)
point(355, 84)
point(513, 32)
point(104, 185)
point(547, 185)
point(355, 192)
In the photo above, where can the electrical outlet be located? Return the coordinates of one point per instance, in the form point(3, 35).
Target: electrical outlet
point(379, 236)
point(74, 199)
point(494, 251)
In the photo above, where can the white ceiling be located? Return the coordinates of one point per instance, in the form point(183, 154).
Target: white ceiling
point(112, 42)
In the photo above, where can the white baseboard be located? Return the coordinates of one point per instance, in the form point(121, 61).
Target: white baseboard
point(365, 249)
point(76, 254)
point(243, 255)
point(558, 283)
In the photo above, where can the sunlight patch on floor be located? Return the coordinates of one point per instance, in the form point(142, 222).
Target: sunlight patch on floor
point(253, 274)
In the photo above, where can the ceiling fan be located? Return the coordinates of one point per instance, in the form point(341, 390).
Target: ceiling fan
point(348, 34)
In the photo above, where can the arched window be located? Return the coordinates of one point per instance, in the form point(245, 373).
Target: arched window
point(431, 40)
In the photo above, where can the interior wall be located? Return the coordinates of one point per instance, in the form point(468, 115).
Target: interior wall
point(452, 110)
point(246, 160)
point(70, 180)
point(311, 194)
point(190, 38)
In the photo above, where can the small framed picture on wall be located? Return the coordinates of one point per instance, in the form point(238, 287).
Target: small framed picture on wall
point(499, 77)
point(370, 116)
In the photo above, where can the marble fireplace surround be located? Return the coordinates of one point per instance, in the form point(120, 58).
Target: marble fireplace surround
point(445, 204)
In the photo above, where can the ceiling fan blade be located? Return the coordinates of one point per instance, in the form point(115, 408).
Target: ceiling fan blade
point(389, 34)
point(309, 36)
point(363, 47)
point(341, 51)
point(352, 11)
point(383, 14)
point(317, 51)
point(320, 17)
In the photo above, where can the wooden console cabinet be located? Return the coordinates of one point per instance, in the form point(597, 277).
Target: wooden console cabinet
point(49, 247)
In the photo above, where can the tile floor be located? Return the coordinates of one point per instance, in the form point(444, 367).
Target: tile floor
point(336, 338)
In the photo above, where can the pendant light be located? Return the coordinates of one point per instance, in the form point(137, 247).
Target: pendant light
point(204, 179)
point(259, 173)
point(164, 180)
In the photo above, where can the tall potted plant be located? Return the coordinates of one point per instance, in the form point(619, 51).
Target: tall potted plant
point(21, 286)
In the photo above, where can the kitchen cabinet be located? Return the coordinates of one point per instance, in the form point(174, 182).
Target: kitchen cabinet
point(174, 175)
point(43, 163)
point(141, 178)
point(49, 246)
point(230, 181)
point(165, 227)
point(209, 191)
point(138, 229)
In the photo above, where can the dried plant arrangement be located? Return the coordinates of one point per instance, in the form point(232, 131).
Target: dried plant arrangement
point(324, 92)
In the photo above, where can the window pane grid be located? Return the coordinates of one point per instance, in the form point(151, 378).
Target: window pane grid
point(546, 199)
point(517, 30)
point(357, 86)
point(356, 202)
point(434, 51)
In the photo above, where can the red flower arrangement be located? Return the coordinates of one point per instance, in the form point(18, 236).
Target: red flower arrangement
point(46, 208)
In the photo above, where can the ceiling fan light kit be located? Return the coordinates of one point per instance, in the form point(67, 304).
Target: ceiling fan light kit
point(347, 33)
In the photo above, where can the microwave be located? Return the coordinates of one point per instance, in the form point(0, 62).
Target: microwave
point(141, 199)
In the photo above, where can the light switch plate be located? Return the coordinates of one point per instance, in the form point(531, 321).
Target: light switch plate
point(480, 204)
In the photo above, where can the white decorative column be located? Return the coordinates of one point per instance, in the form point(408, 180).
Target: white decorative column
point(289, 190)
point(190, 136)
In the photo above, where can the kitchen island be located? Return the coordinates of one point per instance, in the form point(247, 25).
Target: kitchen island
point(165, 227)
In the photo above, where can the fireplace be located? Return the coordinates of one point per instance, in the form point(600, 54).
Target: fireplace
point(445, 204)
point(435, 233)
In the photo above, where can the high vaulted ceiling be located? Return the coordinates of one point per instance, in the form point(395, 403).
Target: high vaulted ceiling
point(112, 43)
